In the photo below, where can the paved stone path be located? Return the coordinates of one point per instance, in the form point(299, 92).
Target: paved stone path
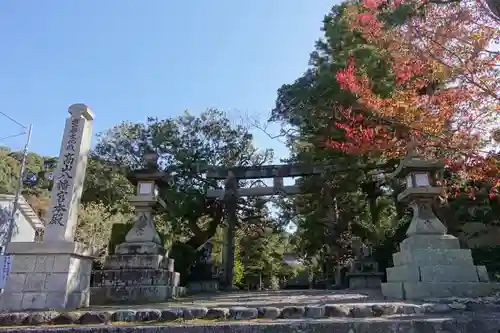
point(255, 299)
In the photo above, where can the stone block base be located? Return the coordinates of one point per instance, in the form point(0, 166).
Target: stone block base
point(430, 242)
point(203, 286)
point(435, 266)
point(432, 257)
point(364, 280)
point(140, 274)
point(47, 276)
point(141, 248)
point(132, 277)
point(133, 294)
point(435, 273)
point(121, 261)
point(422, 290)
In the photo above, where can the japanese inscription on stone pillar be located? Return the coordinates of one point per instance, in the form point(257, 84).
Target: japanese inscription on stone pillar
point(68, 180)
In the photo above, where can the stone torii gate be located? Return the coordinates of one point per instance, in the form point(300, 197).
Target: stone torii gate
point(231, 193)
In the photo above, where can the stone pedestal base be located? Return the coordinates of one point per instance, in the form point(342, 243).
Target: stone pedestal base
point(136, 277)
point(134, 294)
point(364, 280)
point(203, 286)
point(435, 266)
point(52, 275)
point(140, 248)
point(423, 290)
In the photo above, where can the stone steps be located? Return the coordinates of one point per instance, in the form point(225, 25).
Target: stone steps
point(108, 316)
point(86, 322)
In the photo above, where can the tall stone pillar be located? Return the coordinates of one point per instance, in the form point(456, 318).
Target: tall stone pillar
point(55, 274)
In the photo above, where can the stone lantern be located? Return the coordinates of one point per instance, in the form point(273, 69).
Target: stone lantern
point(143, 237)
point(431, 263)
point(140, 271)
point(420, 193)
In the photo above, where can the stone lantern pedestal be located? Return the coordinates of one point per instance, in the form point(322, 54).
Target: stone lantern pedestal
point(140, 271)
point(431, 263)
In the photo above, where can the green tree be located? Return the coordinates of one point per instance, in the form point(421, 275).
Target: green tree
point(107, 184)
point(95, 221)
point(184, 144)
point(341, 204)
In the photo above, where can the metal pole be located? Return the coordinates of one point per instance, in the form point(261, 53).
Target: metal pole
point(19, 187)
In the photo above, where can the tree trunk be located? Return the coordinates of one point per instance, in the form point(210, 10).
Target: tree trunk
point(200, 237)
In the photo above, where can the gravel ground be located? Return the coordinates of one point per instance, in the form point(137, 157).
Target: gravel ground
point(279, 299)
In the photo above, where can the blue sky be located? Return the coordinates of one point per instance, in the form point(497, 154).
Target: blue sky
point(130, 59)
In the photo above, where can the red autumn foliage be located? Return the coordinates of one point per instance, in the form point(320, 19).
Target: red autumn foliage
point(447, 87)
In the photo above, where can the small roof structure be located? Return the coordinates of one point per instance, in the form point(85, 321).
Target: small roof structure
point(25, 209)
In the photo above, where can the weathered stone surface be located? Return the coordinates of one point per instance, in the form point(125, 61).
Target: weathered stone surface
point(176, 278)
point(458, 306)
point(475, 324)
point(194, 313)
point(431, 264)
point(430, 242)
point(140, 248)
point(268, 312)
point(56, 267)
point(129, 294)
point(361, 311)
point(364, 280)
point(171, 314)
point(148, 315)
point(66, 318)
point(379, 310)
point(40, 318)
point(123, 316)
point(431, 257)
point(437, 308)
point(293, 312)
point(95, 318)
point(13, 319)
point(240, 313)
point(124, 261)
point(217, 313)
point(448, 273)
point(194, 287)
point(169, 264)
point(482, 274)
point(409, 309)
point(315, 311)
point(64, 286)
point(210, 286)
point(131, 277)
point(332, 311)
point(144, 229)
point(69, 176)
